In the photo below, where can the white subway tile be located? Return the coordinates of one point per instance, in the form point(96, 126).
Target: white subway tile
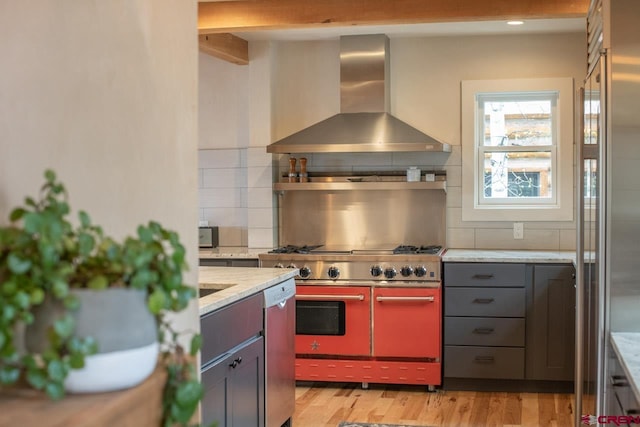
point(258, 156)
point(224, 178)
point(261, 217)
point(260, 177)
point(230, 236)
point(261, 198)
point(567, 240)
point(227, 217)
point(460, 238)
point(227, 158)
point(262, 238)
point(220, 198)
point(454, 197)
point(503, 239)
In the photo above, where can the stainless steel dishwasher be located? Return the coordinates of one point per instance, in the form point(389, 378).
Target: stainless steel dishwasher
point(279, 333)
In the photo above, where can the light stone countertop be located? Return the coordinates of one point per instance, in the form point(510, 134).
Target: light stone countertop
point(627, 348)
point(237, 283)
point(230, 252)
point(491, 255)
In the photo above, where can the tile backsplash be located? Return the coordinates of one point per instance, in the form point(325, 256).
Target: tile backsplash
point(222, 192)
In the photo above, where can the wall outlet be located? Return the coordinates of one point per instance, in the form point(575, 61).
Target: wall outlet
point(203, 223)
point(518, 230)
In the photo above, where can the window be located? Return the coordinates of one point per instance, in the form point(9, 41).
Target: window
point(517, 138)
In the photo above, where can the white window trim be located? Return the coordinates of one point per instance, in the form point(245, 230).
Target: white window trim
point(562, 210)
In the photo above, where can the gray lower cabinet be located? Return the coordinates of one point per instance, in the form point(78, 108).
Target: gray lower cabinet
point(234, 387)
point(233, 364)
point(511, 321)
point(228, 262)
point(551, 324)
point(484, 323)
point(621, 400)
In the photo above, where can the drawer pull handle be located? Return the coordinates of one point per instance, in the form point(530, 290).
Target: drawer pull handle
point(410, 299)
point(236, 362)
point(483, 300)
point(483, 331)
point(484, 359)
point(619, 381)
point(483, 276)
point(359, 297)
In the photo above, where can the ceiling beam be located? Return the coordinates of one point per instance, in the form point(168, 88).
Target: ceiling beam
point(225, 46)
point(249, 15)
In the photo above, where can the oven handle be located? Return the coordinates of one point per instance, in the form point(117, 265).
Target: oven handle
point(428, 299)
point(359, 297)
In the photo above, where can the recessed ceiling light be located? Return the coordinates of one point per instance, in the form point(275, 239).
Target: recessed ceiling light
point(515, 22)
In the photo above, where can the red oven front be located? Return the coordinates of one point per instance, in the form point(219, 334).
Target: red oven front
point(333, 320)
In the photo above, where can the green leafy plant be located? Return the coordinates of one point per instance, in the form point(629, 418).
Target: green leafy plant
point(43, 255)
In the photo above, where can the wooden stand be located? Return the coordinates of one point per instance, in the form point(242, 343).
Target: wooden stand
point(140, 406)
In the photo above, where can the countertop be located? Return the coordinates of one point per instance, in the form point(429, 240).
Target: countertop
point(490, 255)
point(230, 252)
point(237, 283)
point(627, 348)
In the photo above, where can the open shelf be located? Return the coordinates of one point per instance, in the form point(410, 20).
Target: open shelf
point(364, 185)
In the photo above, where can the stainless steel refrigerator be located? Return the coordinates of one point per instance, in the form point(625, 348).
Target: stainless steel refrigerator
point(608, 246)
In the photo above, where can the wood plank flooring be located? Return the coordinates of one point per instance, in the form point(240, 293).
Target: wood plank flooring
point(326, 404)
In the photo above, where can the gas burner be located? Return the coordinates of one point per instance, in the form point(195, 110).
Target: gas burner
point(408, 249)
point(292, 249)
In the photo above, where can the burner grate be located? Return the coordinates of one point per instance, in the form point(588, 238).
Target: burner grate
point(293, 249)
point(408, 249)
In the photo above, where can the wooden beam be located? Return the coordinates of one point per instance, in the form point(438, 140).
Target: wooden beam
point(225, 46)
point(248, 15)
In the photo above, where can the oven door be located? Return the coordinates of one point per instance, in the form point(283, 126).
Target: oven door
point(333, 320)
point(407, 322)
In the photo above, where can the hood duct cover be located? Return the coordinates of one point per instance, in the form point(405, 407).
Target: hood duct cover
point(364, 124)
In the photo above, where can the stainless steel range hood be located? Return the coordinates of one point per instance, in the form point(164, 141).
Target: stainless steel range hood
point(364, 124)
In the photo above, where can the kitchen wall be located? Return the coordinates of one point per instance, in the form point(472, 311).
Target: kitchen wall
point(105, 93)
point(425, 92)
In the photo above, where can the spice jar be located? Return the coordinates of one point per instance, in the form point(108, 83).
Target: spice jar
point(293, 176)
point(304, 176)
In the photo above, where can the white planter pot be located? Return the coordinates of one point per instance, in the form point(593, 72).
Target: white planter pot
point(126, 332)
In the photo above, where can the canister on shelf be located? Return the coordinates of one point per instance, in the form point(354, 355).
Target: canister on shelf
point(293, 176)
point(413, 174)
point(304, 176)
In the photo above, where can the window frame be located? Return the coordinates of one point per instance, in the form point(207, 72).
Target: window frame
point(559, 207)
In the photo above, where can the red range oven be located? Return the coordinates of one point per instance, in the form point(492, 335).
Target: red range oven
point(369, 316)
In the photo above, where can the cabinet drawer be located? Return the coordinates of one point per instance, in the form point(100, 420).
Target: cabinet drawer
point(485, 331)
point(482, 302)
point(484, 274)
point(224, 329)
point(483, 362)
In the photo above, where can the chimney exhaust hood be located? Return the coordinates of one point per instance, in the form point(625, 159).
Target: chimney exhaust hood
point(364, 123)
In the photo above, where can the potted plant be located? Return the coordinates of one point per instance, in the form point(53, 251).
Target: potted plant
point(54, 276)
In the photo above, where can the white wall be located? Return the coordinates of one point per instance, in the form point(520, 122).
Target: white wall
point(425, 92)
point(105, 93)
point(292, 85)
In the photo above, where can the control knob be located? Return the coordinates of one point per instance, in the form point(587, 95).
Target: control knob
point(278, 265)
point(376, 271)
point(291, 266)
point(305, 272)
point(390, 272)
point(406, 271)
point(421, 271)
point(333, 272)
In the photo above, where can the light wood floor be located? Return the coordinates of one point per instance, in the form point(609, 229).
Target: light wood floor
point(326, 404)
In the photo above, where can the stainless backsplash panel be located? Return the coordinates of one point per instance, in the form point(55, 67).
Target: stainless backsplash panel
point(362, 218)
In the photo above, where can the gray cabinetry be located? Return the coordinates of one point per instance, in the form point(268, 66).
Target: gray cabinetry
point(509, 321)
point(485, 307)
point(621, 400)
point(551, 324)
point(228, 262)
point(233, 364)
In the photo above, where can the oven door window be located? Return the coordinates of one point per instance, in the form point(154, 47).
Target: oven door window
point(320, 318)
